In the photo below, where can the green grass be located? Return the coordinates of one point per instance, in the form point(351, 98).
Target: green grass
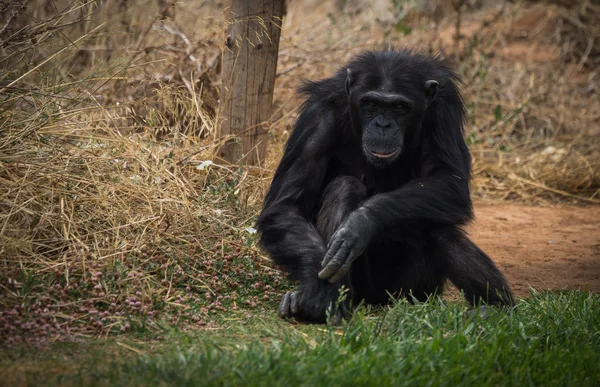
point(548, 339)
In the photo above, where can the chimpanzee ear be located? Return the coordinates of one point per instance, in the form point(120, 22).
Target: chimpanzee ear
point(430, 90)
point(348, 81)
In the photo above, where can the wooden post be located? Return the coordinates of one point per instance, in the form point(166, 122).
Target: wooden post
point(249, 66)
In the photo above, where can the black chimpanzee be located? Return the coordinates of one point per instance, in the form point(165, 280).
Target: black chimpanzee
point(373, 190)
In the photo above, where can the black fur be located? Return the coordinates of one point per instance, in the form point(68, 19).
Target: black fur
point(385, 184)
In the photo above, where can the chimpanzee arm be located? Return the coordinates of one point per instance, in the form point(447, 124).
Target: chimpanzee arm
point(287, 233)
point(442, 198)
point(439, 199)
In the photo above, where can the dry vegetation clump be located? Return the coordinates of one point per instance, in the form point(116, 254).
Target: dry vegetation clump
point(544, 126)
point(106, 227)
point(112, 216)
point(577, 31)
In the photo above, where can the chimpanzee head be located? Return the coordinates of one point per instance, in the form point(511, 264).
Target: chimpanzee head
point(388, 99)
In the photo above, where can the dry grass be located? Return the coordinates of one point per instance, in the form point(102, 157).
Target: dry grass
point(110, 214)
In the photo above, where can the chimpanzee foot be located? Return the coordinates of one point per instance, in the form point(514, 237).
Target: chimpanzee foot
point(295, 305)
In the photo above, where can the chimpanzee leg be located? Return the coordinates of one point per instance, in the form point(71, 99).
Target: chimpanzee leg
point(314, 296)
point(414, 262)
point(470, 269)
point(397, 264)
point(342, 196)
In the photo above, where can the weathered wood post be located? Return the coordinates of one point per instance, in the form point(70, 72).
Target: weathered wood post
point(249, 66)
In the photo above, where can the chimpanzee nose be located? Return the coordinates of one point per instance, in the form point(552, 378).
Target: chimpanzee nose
point(381, 122)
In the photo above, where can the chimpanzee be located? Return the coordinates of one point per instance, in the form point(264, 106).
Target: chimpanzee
point(372, 192)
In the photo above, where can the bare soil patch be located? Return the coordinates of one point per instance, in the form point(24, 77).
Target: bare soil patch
point(541, 247)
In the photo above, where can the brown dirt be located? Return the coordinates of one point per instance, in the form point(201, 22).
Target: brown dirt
point(541, 247)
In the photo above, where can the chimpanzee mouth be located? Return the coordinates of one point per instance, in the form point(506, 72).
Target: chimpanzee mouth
point(385, 155)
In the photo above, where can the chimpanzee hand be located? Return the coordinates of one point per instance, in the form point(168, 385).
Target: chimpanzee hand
point(348, 242)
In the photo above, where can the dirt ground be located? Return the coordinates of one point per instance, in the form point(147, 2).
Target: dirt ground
point(542, 247)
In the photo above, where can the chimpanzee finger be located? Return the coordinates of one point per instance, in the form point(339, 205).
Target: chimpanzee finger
point(344, 310)
point(284, 306)
point(341, 312)
point(294, 303)
point(329, 270)
point(333, 239)
point(335, 318)
point(335, 245)
point(344, 269)
point(335, 263)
